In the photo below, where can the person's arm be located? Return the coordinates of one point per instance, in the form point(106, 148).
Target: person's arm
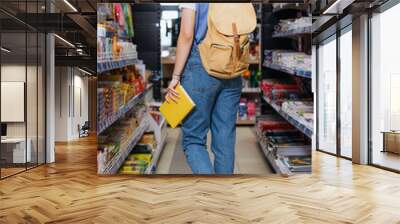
point(184, 45)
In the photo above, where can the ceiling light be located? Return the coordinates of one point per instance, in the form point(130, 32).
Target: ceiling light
point(65, 41)
point(5, 50)
point(70, 5)
point(84, 71)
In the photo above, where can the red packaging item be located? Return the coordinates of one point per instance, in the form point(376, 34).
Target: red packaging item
point(137, 85)
point(269, 86)
point(141, 83)
point(251, 110)
point(264, 125)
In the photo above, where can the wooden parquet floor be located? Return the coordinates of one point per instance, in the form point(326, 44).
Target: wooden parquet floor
point(69, 191)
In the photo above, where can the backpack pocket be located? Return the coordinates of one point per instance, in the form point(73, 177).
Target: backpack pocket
point(221, 58)
point(244, 57)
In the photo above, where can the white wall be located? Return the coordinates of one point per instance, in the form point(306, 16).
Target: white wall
point(71, 93)
point(33, 127)
point(16, 73)
point(61, 103)
point(81, 94)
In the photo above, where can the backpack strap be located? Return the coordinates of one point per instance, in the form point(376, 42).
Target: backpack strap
point(236, 41)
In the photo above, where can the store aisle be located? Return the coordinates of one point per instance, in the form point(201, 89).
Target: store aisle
point(249, 158)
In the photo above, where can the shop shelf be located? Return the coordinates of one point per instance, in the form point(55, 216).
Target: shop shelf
point(254, 62)
point(156, 154)
point(104, 124)
point(303, 169)
point(115, 64)
point(245, 122)
point(276, 107)
point(294, 33)
point(276, 163)
point(289, 6)
point(304, 129)
point(251, 90)
point(291, 71)
point(116, 162)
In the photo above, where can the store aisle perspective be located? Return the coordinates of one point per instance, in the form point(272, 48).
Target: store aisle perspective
point(70, 191)
point(275, 105)
point(249, 158)
point(83, 139)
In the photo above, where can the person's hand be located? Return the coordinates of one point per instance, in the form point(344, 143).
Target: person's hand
point(172, 94)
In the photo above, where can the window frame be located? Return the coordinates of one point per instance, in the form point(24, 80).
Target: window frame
point(347, 27)
point(380, 9)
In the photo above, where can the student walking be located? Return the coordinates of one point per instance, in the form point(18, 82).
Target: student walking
point(212, 52)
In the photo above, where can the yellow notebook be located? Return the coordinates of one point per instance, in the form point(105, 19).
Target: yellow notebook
point(173, 112)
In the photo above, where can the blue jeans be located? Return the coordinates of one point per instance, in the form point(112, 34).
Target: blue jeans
point(217, 102)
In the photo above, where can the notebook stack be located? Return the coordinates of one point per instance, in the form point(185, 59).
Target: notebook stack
point(285, 142)
point(297, 163)
point(140, 157)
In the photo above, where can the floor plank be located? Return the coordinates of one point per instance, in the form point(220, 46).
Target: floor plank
point(70, 191)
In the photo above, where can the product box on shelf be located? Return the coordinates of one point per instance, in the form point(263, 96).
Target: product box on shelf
point(114, 31)
point(141, 155)
point(298, 163)
point(293, 25)
point(281, 140)
point(279, 90)
point(295, 63)
point(302, 111)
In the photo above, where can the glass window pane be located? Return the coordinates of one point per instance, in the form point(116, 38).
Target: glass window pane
point(327, 97)
point(385, 88)
point(13, 86)
point(346, 94)
point(15, 149)
point(32, 97)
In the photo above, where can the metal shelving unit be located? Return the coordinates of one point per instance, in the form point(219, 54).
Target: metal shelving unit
point(296, 40)
point(245, 122)
point(277, 165)
point(103, 125)
point(115, 64)
point(289, 6)
point(251, 90)
point(292, 120)
point(156, 154)
point(145, 23)
point(294, 33)
point(291, 71)
point(115, 163)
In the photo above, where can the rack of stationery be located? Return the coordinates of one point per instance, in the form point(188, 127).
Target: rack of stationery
point(249, 107)
point(131, 134)
point(285, 129)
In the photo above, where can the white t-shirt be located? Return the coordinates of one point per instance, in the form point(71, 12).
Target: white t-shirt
point(187, 6)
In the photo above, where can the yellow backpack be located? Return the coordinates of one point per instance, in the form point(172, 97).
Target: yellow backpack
point(224, 52)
